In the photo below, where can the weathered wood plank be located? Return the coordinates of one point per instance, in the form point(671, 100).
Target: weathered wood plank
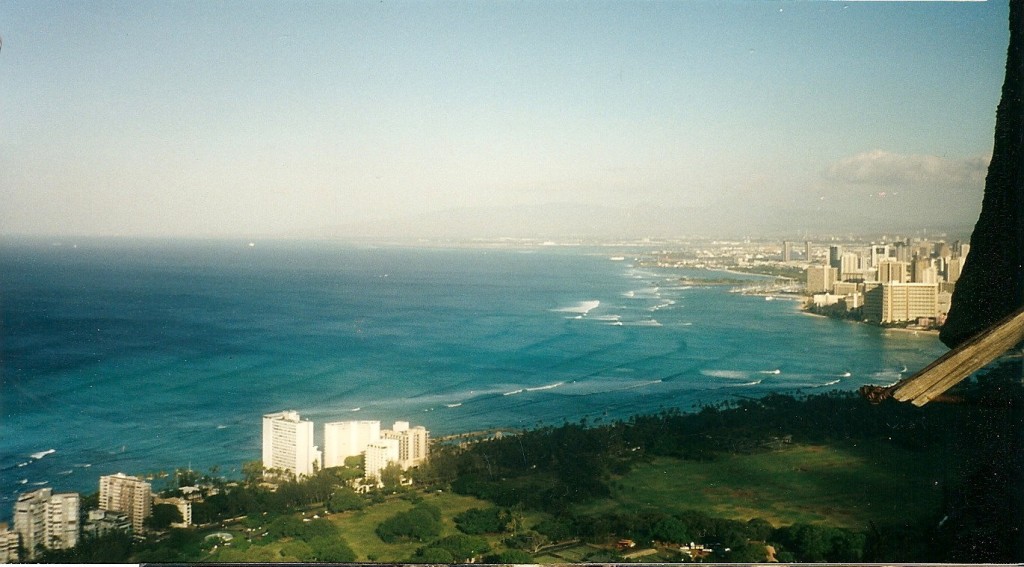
point(959, 363)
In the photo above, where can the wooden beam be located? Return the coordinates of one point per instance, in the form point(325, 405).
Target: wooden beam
point(959, 363)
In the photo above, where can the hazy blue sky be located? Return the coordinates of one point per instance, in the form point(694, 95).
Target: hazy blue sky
point(256, 118)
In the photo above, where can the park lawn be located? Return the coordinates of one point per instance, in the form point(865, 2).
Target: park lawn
point(839, 485)
point(358, 528)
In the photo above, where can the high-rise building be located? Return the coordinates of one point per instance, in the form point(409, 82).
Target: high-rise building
point(820, 278)
point(288, 444)
point(129, 495)
point(898, 302)
point(787, 251)
point(835, 256)
point(344, 439)
point(807, 251)
point(953, 269)
point(879, 252)
point(378, 455)
point(413, 443)
point(48, 520)
point(901, 251)
point(10, 543)
point(892, 271)
point(849, 268)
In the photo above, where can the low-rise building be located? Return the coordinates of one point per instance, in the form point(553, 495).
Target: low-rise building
point(184, 507)
point(102, 522)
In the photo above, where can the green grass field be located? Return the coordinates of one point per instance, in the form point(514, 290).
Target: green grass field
point(842, 486)
point(358, 527)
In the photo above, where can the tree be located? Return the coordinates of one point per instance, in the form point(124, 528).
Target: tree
point(186, 477)
point(163, 516)
point(670, 530)
point(252, 471)
point(331, 550)
point(345, 499)
point(420, 523)
point(462, 548)
point(476, 521)
point(297, 550)
point(391, 477)
point(510, 557)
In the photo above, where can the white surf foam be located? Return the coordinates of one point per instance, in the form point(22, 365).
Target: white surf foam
point(548, 387)
point(728, 374)
point(514, 392)
point(741, 384)
point(581, 308)
point(42, 454)
point(645, 323)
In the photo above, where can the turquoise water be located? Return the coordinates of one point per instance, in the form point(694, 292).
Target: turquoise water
point(149, 356)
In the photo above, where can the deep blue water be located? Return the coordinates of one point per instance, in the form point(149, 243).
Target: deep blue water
point(142, 357)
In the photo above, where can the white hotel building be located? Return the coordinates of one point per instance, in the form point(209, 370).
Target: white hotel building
point(288, 444)
point(378, 455)
point(344, 439)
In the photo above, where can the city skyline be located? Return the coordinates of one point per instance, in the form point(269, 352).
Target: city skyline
point(462, 119)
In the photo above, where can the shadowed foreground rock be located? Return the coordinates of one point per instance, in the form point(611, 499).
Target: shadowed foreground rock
point(991, 285)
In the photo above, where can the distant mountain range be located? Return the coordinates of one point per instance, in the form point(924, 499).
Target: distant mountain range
point(568, 220)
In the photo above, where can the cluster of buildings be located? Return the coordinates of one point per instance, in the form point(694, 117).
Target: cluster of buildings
point(289, 446)
point(44, 519)
point(905, 282)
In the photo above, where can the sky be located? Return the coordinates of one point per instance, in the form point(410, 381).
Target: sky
point(494, 118)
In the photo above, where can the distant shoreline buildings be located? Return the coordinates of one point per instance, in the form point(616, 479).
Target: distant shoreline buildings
point(288, 445)
point(906, 282)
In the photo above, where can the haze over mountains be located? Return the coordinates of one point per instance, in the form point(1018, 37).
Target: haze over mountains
point(571, 220)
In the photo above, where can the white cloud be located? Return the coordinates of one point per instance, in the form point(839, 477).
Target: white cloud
point(886, 169)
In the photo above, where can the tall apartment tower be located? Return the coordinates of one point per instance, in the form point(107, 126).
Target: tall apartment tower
point(129, 495)
point(378, 455)
point(787, 251)
point(807, 251)
point(879, 252)
point(849, 268)
point(45, 519)
point(288, 444)
point(953, 269)
point(820, 279)
point(835, 256)
point(892, 271)
point(413, 443)
point(344, 439)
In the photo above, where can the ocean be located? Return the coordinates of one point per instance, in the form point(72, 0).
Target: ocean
point(146, 356)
